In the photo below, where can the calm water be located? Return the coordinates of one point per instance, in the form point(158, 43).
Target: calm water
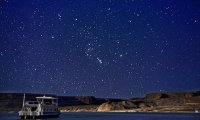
point(113, 116)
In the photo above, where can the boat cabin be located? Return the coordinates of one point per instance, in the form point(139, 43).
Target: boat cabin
point(47, 100)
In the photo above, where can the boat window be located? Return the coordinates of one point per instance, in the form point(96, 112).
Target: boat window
point(39, 100)
point(48, 101)
point(33, 108)
point(35, 102)
point(55, 101)
point(32, 102)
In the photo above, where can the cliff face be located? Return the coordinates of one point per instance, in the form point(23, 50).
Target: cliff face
point(174, 99)
point(157, 102)
point(83, 100)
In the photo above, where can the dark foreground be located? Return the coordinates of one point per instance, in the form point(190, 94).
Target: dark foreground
point(113, 116)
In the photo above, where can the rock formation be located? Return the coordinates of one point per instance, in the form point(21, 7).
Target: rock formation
point(157, 102)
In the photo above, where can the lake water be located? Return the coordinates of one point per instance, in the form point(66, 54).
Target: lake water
point(113, 116)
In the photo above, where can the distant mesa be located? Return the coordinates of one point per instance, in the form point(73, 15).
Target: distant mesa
point(156, 102)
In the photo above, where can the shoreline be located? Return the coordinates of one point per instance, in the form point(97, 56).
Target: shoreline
point(150, 112)
point(131, 111)
point(175, 109)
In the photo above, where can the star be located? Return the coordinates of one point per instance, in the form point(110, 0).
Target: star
point(101, 48)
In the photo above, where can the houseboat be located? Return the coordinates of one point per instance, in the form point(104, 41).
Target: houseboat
point(43, 107)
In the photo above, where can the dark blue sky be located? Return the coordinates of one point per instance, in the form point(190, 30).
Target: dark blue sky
point(104, 48)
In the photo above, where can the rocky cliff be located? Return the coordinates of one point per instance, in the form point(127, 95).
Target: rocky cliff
point(157, 102)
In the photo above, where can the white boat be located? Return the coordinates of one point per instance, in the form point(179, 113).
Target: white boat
point(44, 107)
point(196, 111)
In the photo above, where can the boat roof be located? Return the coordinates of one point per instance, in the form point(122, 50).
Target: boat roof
point(45, 97)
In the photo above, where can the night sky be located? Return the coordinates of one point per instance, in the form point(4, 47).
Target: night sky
point(102, 48)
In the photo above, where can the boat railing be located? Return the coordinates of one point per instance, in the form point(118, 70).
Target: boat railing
point(29, 113)
point(31, 102)
point(49, 103)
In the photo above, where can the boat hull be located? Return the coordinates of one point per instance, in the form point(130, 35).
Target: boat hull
point(38, 117)
point(35, 115)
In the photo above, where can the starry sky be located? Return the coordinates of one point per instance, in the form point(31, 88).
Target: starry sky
point(102, 48)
